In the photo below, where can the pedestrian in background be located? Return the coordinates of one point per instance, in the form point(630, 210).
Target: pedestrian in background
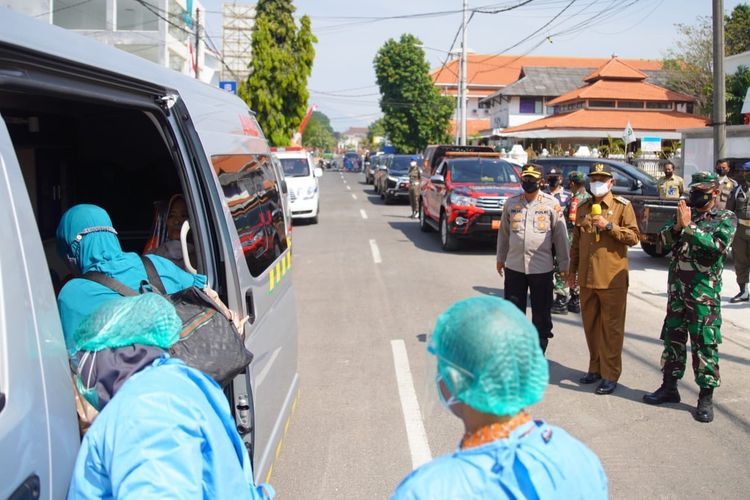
point(577, 183)
point(490, 370)
point(671, 186)
point(532, 230)
point(554, 187)
point(414, 177)
point(739, 203)
point(605, 227)
point(726, 183)
point(699, 239)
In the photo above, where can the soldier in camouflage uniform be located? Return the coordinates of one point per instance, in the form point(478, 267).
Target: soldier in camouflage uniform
point(577, 183)
point(414, 177)
point(699, 240)
point(554, 186)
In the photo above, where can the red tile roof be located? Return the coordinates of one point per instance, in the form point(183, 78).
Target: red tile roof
point(616, 68)
point(614, 89)
point(595, 119)
point(498, 71)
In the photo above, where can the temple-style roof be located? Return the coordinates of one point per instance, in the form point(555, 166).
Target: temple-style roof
point(616, 69)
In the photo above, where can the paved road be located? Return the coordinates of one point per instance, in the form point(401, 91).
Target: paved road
point(369, 283)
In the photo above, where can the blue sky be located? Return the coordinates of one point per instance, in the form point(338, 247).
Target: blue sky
point(343, 81)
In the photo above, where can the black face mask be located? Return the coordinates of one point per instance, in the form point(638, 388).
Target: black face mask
point(668, 174)
point(722, 171)
point(553, 182)
point(699, 199)
point(530, 186)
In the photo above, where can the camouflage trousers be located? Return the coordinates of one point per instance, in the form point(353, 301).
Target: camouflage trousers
point(414, 197)
point(693, 313)
point(560, 288)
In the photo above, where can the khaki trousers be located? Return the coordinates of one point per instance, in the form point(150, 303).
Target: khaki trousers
point(603, 315)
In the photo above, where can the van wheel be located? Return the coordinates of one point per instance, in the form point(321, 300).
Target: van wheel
point(447, 240)
point(423, 224)
point(653, 250)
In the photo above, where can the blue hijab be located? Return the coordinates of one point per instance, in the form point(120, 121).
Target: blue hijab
point(85, 237)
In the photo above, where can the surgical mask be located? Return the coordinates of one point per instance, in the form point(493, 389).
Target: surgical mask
point(599, 188)
point(530, 186)
point(446, 403)
point(699, 199)
point(553, 182)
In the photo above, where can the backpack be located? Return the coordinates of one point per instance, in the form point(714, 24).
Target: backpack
point(208, 341)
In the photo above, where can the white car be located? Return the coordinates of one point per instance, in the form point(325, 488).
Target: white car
point(302, 182)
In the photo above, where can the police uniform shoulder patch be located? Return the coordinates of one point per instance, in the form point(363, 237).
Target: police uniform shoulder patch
point(622, 200)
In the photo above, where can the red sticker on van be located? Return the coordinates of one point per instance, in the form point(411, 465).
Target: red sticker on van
point(249, 126)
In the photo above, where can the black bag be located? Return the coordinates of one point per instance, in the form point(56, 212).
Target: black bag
point(209, 341)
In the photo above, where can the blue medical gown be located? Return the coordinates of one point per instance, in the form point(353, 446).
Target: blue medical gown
point(537, 461)
point(167, 433)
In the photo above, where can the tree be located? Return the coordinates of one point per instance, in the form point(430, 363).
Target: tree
point(736, 86)
point(414, 113)
point(737, 30)
point(319, 133)
point(282, 59)
point(375, 129)
point(689, 66)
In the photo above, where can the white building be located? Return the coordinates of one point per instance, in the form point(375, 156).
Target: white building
point(352, 138)
point(162, 31)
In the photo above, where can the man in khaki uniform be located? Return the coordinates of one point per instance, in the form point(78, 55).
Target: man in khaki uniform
point(739, 203)
point(599, 256)
point(414, 177)
point(726, 184)
point(671, 186)
point(532, 227)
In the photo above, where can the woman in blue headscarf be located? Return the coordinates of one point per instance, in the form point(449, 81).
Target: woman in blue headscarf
point(490, 369)
point(86, 238)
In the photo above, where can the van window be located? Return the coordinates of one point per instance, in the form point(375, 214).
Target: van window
point(252, 193)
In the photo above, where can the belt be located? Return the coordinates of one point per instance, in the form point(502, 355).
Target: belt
point(744, 222)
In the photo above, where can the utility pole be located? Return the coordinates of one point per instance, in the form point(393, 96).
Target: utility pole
point(197, 42)
point(464, 97)
point(459, 100)
point(719, 115)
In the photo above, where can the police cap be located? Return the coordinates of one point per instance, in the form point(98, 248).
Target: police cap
point(531, 170)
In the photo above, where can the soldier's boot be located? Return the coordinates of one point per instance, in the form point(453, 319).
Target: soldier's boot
point(704, 412)
point(574, 303)
point(560, 305)
point(743, 296)
point(667, 393)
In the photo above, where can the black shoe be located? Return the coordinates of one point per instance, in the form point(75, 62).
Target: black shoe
point(590, 378)
point(743, 296)
point(560, 305)
point(704, 412)
point(574, 305)
point(606, 387)
point(664, 394)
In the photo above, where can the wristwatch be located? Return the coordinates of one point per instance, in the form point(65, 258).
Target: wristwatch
point(608, 227)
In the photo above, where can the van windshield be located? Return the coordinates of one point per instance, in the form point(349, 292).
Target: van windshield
point(476, 170)
point(295, 167)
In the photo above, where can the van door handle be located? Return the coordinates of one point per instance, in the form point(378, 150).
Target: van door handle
point(250, 306)
point(29, 489)
point(2, 401)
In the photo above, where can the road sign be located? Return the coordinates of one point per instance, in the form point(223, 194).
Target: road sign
point(651, 144)
point(229, 86)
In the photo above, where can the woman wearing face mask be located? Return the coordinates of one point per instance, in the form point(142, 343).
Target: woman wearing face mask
point(490, 370)
point(604, 229)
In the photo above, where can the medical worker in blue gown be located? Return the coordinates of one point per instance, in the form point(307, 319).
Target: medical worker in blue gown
point(490, 370)
point(86, 238)
point(164, 429)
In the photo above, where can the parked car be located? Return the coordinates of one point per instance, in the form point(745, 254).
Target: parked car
point(371, 167)
point(379, 174)
point(465, 196)
point(95, 102)
point(635, 185)
point(302, 182)
point(394, 183)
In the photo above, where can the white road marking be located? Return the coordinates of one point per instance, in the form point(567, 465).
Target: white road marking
point(354, 196)
point(375, 252)
point(349, 188)
point(415, 432)
point(363, 213)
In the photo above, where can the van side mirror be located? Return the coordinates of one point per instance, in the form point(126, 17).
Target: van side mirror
point(318, 172)
point(637, 184)
point(437, 179)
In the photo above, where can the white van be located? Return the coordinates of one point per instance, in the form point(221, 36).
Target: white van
point(81, 122)
point(302, 182)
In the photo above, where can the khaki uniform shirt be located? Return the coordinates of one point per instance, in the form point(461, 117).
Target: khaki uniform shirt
point(604, 263)
point(671, 188)
point(414, 174)
point(528, 233)
point(726, 186)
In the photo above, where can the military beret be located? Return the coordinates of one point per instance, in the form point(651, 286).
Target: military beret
point(531, 171)
point(577, 177)
point(600, 169)
point(704, 180)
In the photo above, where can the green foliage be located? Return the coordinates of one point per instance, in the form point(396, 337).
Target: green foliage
point(375, 129)
point(614, 146)
point(689, 66)
point(282, 59)
point(414, 113)
point(319, 133)
point(736, 88)
point(737, 30)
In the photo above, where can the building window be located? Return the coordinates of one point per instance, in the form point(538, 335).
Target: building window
point(176, 62)
point(658, 105)
point(530, 105)
point(689, 108)
point(78, 15)
point(178, 17)
point(630, 104)
point(601, 104)
point(134, 16)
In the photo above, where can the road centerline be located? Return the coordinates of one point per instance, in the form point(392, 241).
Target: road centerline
point(363, 213)
point(375, 252)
